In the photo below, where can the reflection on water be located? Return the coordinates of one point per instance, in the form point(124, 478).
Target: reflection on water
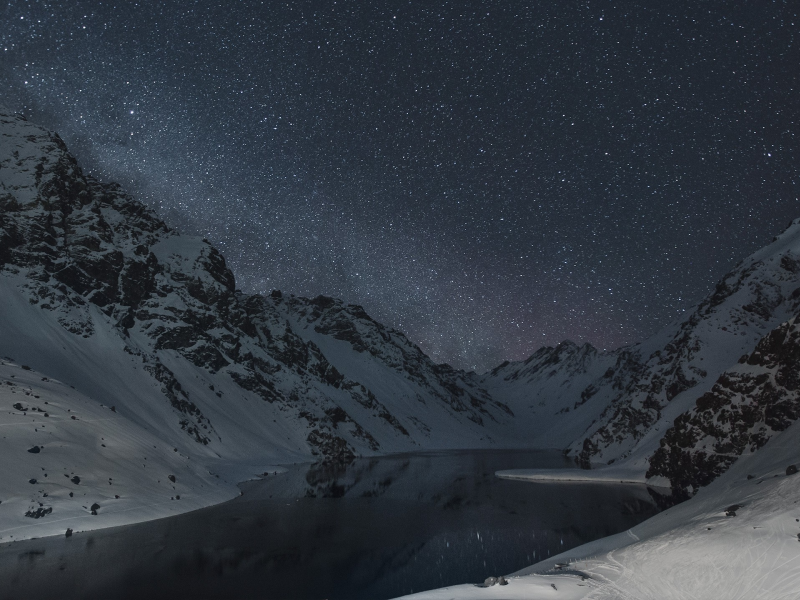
point(377, 528)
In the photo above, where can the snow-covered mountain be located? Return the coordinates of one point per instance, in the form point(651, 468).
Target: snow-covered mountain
point(97, 293)
point(747, 406)
point(554, 392)
point(623, 401)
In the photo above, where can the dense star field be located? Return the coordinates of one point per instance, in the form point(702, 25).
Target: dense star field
point(487, 176)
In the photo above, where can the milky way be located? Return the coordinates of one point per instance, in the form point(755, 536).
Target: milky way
point(486, 176)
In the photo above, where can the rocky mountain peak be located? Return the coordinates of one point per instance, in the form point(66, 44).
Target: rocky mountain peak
point(105, 267)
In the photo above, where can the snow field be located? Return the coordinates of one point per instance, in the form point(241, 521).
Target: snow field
point(84, 454)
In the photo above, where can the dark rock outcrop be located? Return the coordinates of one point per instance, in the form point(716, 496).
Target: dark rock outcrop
point(746, 407)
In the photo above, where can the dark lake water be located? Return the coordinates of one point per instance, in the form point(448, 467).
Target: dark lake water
point(378, 528)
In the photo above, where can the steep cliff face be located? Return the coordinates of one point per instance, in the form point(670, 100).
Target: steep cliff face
point(747, 405)
point(102, 294)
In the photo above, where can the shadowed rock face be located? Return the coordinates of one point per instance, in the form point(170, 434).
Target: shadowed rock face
point(746, 407)
point(79, 245)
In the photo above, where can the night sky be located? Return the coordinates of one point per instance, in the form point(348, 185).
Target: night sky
point(488, 177)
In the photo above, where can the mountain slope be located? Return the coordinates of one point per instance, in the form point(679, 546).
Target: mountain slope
point(624, 400)
point(747, 406)
point(71, 463)
point(110, 273)
point(99, 294)
point(557, 393)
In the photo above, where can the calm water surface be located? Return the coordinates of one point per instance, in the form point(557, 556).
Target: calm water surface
point(377, 528)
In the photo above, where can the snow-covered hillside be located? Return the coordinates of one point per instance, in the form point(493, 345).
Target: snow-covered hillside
point(746, 407)
point(553, 392)
point(96, 292)
point(72, 463)
point(620, 403)
point(82, 258)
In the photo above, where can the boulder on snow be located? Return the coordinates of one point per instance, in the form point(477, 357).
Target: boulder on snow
point(68, 532)
point(76, 480)
point(501, 580)
point(171, 478)
point(791, 469)
point(489, 582)
point(94, 508)
point(34, 450)
point(39, 512)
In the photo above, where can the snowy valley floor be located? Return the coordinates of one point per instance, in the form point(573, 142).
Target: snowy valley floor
point(692, 550)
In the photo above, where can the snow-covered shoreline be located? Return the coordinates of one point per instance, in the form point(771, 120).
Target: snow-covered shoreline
point(64, 453)
point(737, 538)
point(603, 475)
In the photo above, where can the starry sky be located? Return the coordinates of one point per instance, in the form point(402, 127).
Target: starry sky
point(486, 176)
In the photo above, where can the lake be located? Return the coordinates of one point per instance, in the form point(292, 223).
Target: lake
point(377, 528)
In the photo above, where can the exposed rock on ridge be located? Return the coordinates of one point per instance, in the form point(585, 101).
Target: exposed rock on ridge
point(746, 407)
point(618, 402)
point(102, 264)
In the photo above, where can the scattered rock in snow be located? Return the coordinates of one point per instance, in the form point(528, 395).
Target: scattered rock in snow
point(32, 481)
point(731, 510)
point(39, 512)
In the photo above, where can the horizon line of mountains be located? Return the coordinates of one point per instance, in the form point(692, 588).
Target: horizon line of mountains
point(99, 293)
